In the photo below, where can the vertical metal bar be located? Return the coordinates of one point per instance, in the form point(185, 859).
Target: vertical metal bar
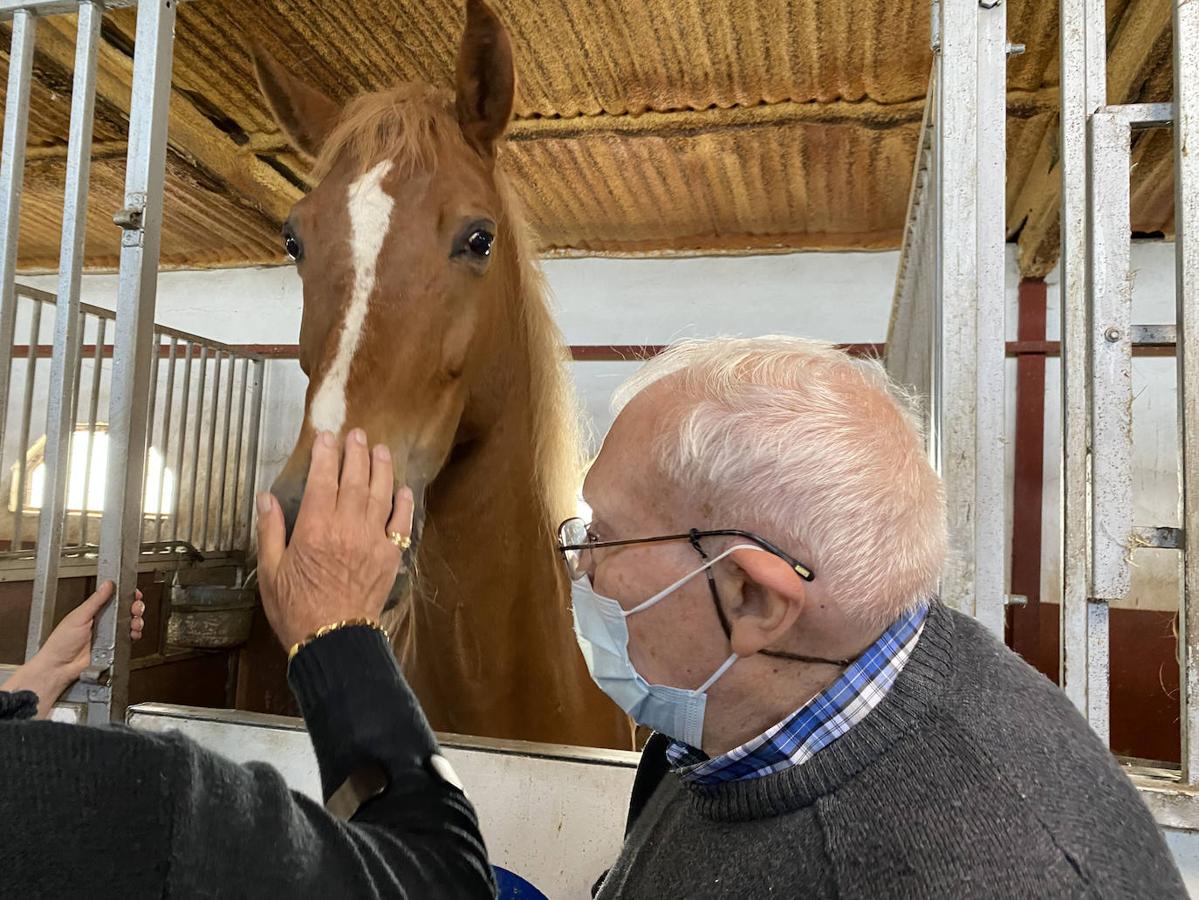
point(247, 504)
point(150, 420)
point(12, 176)
point(199, 418)
point(164, 440)
point(1110, 397)
point(990, 504)
point(1083, 90)
point(35, 330)
point(119, 545)
point(181, 449)
point(1186, 253)
point(220, 496)
point(956, 369)
point(93, 406)
point(239, 446)
point(72, 444)
point(68, 327)
point(216, 404)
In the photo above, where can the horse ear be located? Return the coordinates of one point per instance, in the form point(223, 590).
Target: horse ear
point(304, 113)
point(485, 80)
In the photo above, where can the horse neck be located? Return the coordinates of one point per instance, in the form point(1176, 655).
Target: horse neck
point(489, 575)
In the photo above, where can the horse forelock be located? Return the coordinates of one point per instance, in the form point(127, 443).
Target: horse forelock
point(402, 124)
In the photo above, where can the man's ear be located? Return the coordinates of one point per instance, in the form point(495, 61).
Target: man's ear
point(485, 81)
point(304, 114)
point(771, 599)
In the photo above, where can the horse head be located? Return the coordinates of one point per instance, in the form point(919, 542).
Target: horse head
point(405, 255)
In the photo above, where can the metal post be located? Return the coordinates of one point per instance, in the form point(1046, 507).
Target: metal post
point(956, 368)
point(239, 446)
point(990, 502)
point(12, 176)
point(140, 243)
point(68, 331)
point(1110, 397)
point(1186, 251)
point(1083, 91)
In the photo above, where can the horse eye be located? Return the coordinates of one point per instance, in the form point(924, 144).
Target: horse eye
point(479, 242)
point(292, 245)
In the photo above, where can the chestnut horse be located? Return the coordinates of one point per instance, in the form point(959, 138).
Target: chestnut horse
point(425, 323)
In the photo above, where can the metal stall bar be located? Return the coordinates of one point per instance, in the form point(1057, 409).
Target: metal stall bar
point(35, 328)
point(216, 405)
point(990, 496)
point(12, 176)
point(141, 220)
point(151, 412)
point(238, 446)
point(195, 454)
point(220, 504)
point(251, 462)
point(1083, 91)
point(164, 440)
point(955, 377)
point(1186, 251)
point(68, 329)
point(181, 447)
point(90, 446)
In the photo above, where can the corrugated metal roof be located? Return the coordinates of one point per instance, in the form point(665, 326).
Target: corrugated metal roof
point(643, 126)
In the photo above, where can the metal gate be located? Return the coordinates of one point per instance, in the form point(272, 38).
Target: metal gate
point(1100, 538)
point(156, 378)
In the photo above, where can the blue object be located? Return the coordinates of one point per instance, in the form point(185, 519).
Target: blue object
point(513, 887)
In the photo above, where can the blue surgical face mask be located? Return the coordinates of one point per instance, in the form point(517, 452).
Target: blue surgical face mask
point(603, 636)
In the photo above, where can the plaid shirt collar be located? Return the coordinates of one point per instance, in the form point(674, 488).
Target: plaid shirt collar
point(816, 724)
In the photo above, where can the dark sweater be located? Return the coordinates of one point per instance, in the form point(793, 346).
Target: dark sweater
point(975, 777)
point(112, 812)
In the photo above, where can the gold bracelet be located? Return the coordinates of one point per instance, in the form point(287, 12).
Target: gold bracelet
point(325, 629)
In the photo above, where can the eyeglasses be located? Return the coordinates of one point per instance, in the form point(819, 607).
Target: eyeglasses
point(575, 542)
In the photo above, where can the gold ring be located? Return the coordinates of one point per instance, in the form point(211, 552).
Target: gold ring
point(400, 540)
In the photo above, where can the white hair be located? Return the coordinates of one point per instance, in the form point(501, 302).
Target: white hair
point(813, 449)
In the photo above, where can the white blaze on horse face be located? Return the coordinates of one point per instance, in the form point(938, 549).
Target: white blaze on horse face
point(370, 210)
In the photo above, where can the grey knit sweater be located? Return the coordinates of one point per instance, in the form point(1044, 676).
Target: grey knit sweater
point(975, 777)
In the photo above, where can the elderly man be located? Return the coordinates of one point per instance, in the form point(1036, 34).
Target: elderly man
point(757, 586)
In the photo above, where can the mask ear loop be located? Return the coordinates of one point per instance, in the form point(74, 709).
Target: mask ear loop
point(728, 631)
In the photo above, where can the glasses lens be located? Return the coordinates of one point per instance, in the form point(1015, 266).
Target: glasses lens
point(572, 534)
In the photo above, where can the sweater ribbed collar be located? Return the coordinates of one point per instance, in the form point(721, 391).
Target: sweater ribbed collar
point(919, 684)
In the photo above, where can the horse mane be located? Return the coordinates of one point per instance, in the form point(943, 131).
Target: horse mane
point(557, 446)
point(404, 124)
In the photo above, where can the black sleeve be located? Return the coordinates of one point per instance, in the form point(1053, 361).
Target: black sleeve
point(417, 838)
point(17, 705)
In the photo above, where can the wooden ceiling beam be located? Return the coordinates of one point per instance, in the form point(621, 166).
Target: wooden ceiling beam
point(192, 136)
point(58, 152)
point(1037, 210)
